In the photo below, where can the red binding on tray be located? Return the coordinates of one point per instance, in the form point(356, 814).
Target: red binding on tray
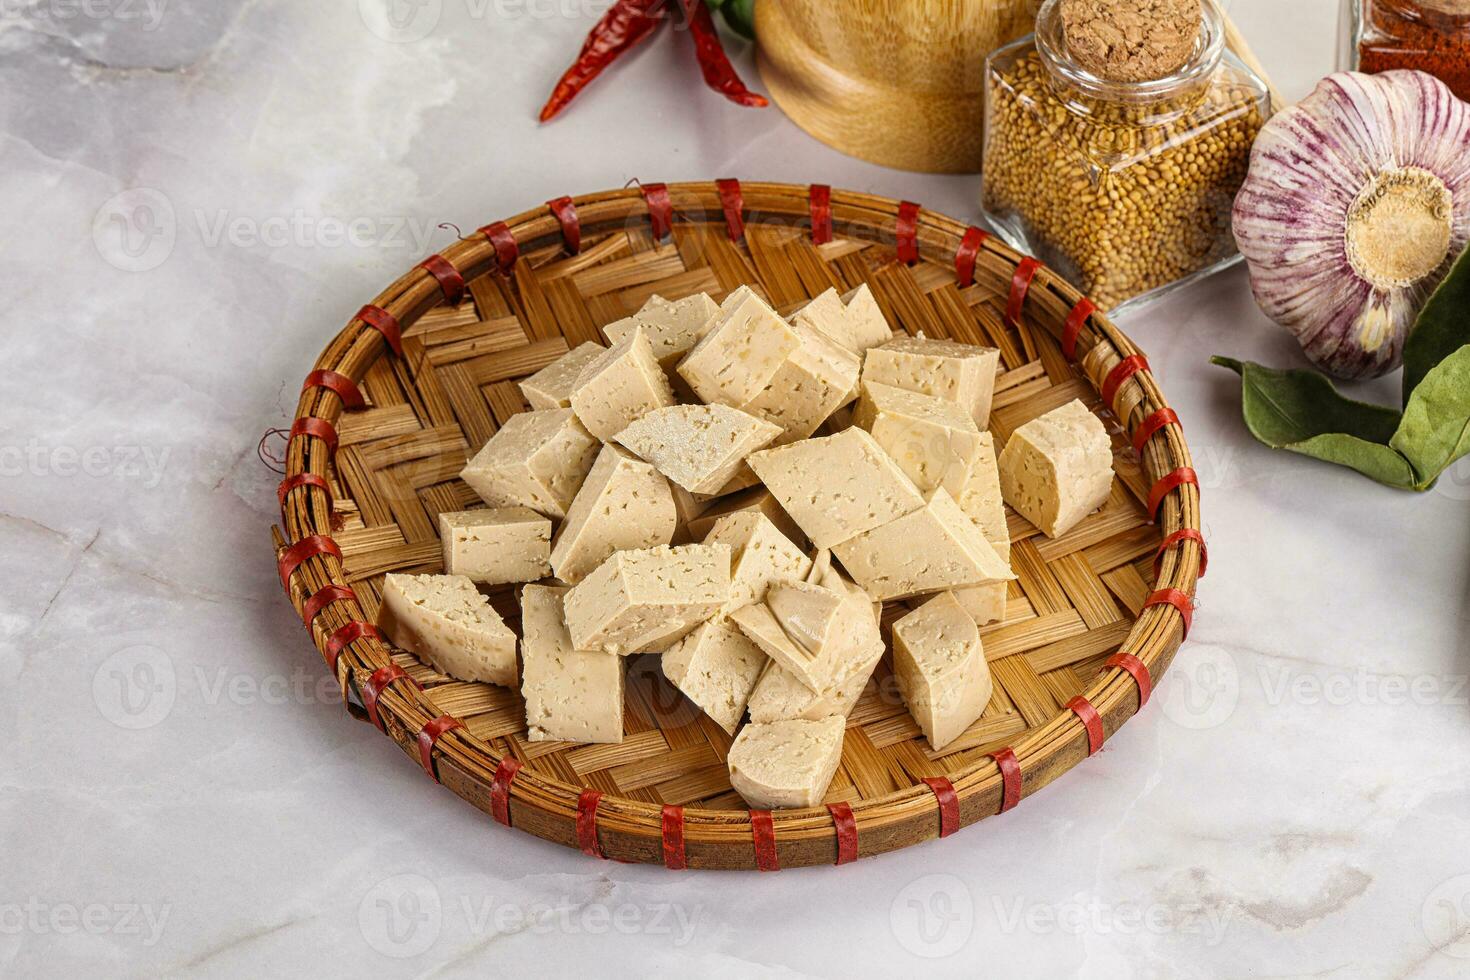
point(949, 804)
point(1183, 534)
point(821, 207)
point(384, 323)
point(1020, 286)
point(763, 835)
point(505, 774)
point(1151, 425)
point(1010, 774)
point(660, 212)
point(309, 547)
point(291, 483)
point(351, 633)
point(1072, 329)
point(1167, 484)
point(845, 825)
point(1177, 599)
point(321, 599)
point(673, 820)
point(309, 425)
point(1091, 720)
point(906, 232)
point(565, 211)
point(1126, 369)
point(733, 203)
point(429, 735)
point(587, 823)
point(1139, 670)
point(338, 384)
point(448, 277)
point(380, 681)
point(506, 249)
point(966, 254)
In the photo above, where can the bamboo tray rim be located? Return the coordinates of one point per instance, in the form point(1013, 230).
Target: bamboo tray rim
point(468, 765)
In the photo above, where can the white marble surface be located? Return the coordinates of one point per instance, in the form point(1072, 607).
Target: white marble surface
point(181, 793)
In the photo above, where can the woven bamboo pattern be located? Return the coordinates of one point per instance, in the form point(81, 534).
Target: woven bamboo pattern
point(1079, 599)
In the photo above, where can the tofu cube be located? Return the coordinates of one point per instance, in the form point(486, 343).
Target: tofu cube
point(624, 384)
point(780, 695)
point(699, 447)
point(496, 546)
point(551, 387)
point(817, 379)
point(672, 327)
point(571, 695)
point(1057, 469)
point(825, 622)
point(742, 352)
point(933, 441)
point(981, 498)
point(716, 667)
point(786, 763)
point(941, 669)
point(756, 500)
point(854, 321)
point(624, 505)
point(985, 603)
point(444, 620)
point(933, 549)
point(537, 460)
point(958, 373)
point(760, 556)
point(642, 601)
point(837, 487)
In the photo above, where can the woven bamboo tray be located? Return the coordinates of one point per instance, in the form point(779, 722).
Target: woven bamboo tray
point(421, 378)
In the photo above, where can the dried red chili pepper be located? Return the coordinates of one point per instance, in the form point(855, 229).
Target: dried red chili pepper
point(623, 27)
point(719, 74)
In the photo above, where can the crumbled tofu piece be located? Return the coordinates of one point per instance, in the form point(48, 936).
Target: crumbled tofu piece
point(958, 373)
point(551, 387)
point(818, 378)
point(642, 601)
point(444, 620)
point(673, 327)
point(837, 487)
point(933, 441)
point(930, 550)
point(741, 353)
point(496, 546)
point(985, 603)
point(624, 504)
point(866, 324)
point(786, 763)
point(941, 669)
point(536, 460)
point(756, 500)
point(981, 498)
point(1058, 468)
point(761, 556)
point(716, 667)
point(780, 695)
point(624, 384)
point(571, 695)
point(699, 447)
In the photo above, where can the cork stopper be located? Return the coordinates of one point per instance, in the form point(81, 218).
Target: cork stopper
point(1131, 40)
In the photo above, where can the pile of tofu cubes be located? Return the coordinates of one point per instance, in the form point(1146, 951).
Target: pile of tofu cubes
point(741, 492)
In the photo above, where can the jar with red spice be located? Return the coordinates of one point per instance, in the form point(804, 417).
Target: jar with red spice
point(1428, 35)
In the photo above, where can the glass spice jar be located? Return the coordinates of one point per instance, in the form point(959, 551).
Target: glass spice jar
point(1428, 35)
point(1125, 188)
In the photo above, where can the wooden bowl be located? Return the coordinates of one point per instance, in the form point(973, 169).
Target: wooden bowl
point(896, 82)
point(1089, 618)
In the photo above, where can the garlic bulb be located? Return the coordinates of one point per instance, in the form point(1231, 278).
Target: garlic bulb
point(1356, 205)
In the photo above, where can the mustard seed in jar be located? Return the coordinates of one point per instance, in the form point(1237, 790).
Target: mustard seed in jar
point(1124, 187)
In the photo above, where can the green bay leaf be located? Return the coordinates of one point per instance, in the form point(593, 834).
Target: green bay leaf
point(1302, 412)
point(1435, 430)
point(1442, 328)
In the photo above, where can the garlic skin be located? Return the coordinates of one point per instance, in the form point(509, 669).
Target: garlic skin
point(1356, 205)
